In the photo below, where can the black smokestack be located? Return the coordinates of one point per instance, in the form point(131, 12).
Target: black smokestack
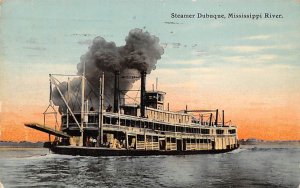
point(143, 93)
point(223, 116)
point(116, 93)
point(217, 116)
point(139, 54)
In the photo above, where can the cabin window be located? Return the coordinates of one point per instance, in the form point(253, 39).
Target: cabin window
point(140, 138)
point(122, 122)
point(147, 125)
point(114, 121)
point(106, 120)
point(155, 138)
point(232, 131)
point(204, 131)
point(160, 97)
point(220, 131)
point(159, 127)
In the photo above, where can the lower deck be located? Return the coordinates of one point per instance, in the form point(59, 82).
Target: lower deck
point(100, 151)
point(133, 140)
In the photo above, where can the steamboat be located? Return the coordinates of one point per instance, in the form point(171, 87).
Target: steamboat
point(144, 128)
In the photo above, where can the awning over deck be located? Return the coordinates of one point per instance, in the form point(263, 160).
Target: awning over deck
point(47, 130)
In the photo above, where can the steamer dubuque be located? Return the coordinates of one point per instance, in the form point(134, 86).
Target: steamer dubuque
point(136, 129)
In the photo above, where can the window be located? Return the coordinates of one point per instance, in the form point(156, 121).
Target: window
point(232, 131)
point(204, 131)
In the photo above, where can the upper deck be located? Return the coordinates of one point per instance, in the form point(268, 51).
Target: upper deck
point(158, 121)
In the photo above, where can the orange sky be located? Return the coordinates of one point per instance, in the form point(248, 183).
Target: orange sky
point(259, 109)
point(257, 122)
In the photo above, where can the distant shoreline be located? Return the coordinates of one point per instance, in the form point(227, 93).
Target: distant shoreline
point(3, 148)
point(253, 141)
point(22, 144)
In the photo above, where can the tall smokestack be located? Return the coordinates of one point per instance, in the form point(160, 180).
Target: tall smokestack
point(217, 115)
point(210, 118)
point(143, 93)
point(116, 92)
point(223, 116)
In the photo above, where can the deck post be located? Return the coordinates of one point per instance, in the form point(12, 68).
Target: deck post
point(135, 144)
point(67, 118)
point(152, 141)
point(145, 141)
point(126, 135)
point(166, 142)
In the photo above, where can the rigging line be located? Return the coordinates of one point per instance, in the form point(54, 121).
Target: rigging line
point(73, 103)
point(131, 98)
point(134, 99)
point(107, 97)
point(88, 95)
point(56, 80)
point(91, 87)
point(77, 102)
point(137, 92)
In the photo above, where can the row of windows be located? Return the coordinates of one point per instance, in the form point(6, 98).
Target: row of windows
point(154, 126)
point(148, 125)
point(198, 141)
point(169, 117)
point(173, 140)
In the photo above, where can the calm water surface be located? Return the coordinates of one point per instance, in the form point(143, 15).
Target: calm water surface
point(250, 166)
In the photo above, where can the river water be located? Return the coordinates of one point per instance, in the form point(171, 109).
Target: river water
point(249, 166)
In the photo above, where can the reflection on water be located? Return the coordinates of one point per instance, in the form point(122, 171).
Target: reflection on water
point(246, 167)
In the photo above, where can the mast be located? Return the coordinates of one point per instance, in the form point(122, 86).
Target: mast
point(101, 107)
point(68, 100)
point(82, 103)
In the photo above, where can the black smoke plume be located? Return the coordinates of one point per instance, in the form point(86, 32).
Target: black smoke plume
point(140, 53)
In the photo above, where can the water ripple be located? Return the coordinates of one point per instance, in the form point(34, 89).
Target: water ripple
point(245, 167)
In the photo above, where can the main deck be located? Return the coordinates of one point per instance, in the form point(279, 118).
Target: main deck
point(156, 133)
